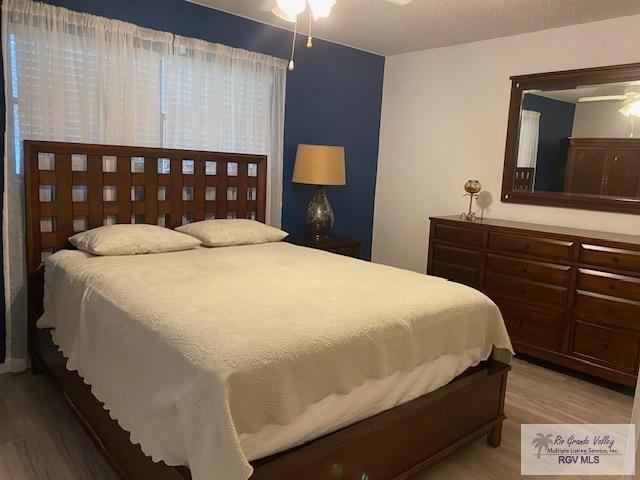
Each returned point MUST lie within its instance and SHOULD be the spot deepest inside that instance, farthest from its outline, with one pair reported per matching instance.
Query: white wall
(601, 120)
(444, 119)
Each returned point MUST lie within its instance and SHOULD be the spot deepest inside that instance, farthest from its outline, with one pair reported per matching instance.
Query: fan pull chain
(310, 38)
(293, 46)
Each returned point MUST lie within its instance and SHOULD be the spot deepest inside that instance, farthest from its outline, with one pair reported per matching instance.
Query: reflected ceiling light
(631, 108)
(602, 98)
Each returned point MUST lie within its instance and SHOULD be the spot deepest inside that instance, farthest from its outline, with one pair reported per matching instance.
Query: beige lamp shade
(319, 165)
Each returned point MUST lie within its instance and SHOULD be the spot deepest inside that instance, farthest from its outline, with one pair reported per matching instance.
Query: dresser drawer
(606, 346)
(508, 287)
(533, 328)
(610, 257)
(457, 256)
(606, 310)
(457, 273)
(609, 284)
(541, 247)
(538, 271)
(467, 236)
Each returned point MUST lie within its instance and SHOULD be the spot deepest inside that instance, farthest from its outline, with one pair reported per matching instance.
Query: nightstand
(329, 243)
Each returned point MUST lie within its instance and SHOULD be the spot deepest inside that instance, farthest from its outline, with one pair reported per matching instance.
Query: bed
(389, 418)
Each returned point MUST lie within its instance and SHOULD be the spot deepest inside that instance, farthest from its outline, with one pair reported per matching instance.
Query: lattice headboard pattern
(72, 187)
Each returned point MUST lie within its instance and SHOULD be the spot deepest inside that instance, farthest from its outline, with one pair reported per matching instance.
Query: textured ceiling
(385, 28)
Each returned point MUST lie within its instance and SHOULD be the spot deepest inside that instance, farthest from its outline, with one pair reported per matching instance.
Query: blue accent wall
(334, 97)
(556, 125)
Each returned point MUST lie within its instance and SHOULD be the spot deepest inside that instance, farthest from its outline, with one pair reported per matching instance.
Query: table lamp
(319, 165)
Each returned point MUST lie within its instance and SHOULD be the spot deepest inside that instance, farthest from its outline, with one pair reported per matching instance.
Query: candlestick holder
(472, 187)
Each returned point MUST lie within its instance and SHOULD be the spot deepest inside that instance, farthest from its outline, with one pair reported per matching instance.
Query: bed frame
(396, 444)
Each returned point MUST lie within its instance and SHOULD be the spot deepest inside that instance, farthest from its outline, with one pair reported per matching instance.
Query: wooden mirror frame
(556, 81)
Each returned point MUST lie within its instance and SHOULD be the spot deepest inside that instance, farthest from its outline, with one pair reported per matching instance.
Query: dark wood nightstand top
(330, 243)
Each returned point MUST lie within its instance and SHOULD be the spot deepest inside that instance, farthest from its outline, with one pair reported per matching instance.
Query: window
(528, 141)
(80, 78)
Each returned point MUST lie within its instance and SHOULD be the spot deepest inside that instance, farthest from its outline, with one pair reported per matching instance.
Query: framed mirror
(573, 139)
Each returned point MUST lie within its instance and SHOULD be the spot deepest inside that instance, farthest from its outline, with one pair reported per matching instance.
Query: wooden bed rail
(395, 445)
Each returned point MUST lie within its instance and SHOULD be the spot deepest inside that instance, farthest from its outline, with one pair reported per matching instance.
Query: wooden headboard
(71, 187)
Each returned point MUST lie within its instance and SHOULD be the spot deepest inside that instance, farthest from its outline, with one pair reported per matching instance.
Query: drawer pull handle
(612, 286)
(523, 291)
(525, 270)
(615, 259)
(527, 246)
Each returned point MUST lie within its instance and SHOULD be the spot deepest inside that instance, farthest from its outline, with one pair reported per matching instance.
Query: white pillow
(222, 233)
(126, 239)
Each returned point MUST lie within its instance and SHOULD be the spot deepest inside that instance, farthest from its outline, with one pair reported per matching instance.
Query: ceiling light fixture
(631, 108)
(321, 8)
(278, 12)
(289, 10)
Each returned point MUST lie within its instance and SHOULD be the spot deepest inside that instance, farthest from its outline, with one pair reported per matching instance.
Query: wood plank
(199, 192)
(263, 172)
(33, 181)
(95, 192)
(175, 193)
(221, 189)
(243, 172)
(64, 204)
(151, 190)
(123, 184)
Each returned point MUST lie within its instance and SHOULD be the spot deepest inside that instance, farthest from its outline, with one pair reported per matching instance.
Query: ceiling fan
(630, 102)
(289, 10)
(605, 98)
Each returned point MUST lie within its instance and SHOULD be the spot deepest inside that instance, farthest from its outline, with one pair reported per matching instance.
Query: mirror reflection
(584, 140)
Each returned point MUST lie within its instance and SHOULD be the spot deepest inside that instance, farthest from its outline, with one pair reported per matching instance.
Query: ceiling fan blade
(602, 98)
(399, 2)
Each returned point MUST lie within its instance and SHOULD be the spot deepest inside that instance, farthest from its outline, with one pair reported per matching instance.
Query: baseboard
(14, 365)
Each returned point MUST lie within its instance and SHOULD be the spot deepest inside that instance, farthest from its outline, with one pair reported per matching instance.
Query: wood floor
(40, 439)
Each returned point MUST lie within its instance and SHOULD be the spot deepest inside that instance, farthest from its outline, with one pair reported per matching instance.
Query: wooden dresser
(568, 296)
(603, 166)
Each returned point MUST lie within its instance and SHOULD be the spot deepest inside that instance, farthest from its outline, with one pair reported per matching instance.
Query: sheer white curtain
(528, 141)
(229, 100)
(77, 77)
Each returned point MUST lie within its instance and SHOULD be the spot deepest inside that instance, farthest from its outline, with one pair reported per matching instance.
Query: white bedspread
(372, 397)
(209, 345)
